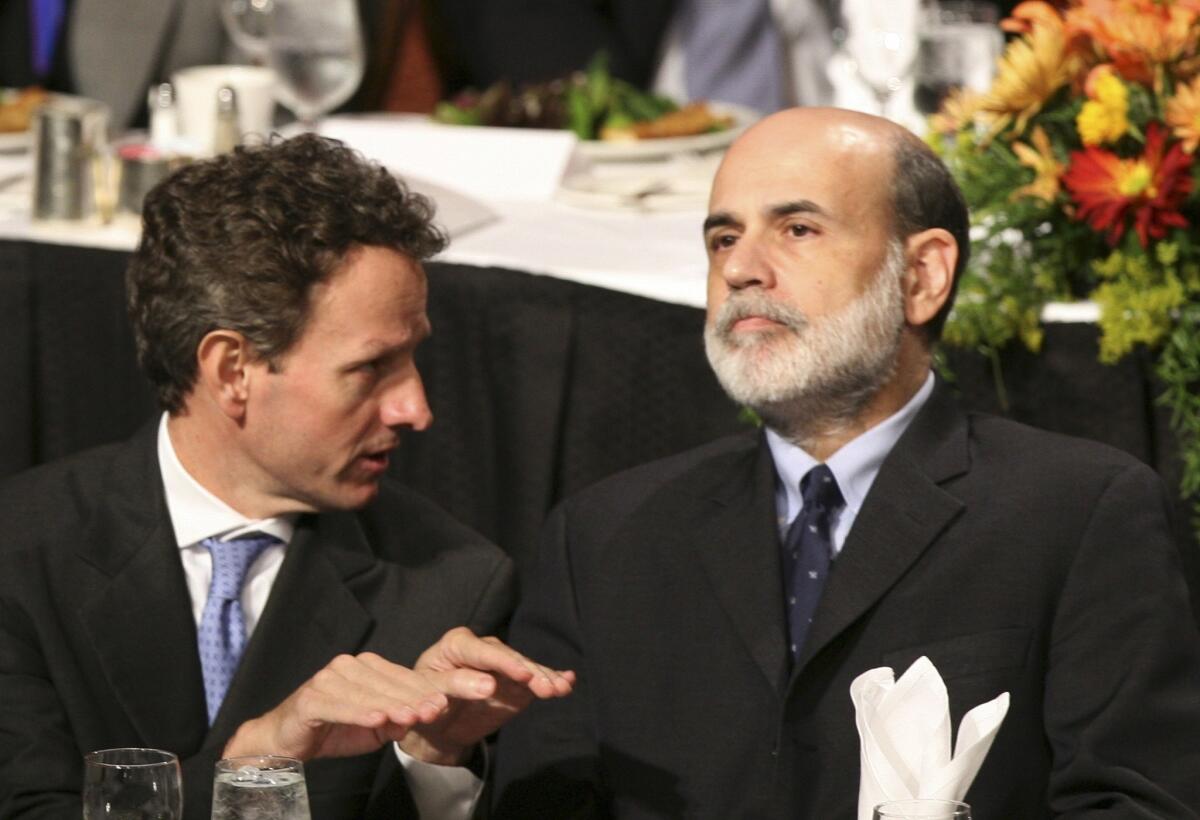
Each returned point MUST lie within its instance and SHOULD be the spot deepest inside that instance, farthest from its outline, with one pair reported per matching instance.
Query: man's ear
(224, 358)
(932, 255)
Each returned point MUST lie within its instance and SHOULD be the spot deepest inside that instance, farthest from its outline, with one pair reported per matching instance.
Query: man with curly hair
(239, 578)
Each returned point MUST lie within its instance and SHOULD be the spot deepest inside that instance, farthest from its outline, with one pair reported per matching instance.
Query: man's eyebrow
(720, 219)
(798, 206)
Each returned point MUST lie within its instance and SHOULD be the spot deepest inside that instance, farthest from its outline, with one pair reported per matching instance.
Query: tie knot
(231, 560)
(820, 491)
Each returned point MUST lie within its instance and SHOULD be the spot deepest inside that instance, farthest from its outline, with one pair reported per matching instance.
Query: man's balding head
(874, 160)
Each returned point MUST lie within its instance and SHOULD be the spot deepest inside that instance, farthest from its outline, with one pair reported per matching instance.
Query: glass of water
(316, 49)
(262, 787)
(922, 809)
(131, 784)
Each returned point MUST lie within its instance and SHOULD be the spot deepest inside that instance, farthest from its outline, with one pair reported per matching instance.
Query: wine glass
(316, 50)
(131, 784)
(922, 810)
(246, 23)
(263, 787)
(882, 43)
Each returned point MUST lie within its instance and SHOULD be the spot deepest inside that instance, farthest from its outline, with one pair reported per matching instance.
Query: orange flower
(1032, 68)
(1046, 167)
(1151, 188)
(1137, 35)
(1183, 114)
(1026, 14)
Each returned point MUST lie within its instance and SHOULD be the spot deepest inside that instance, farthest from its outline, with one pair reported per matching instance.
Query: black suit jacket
(538, 40)
(1017, 560)
(98, 642)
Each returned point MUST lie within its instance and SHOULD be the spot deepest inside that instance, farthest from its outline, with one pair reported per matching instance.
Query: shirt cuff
(449, 792)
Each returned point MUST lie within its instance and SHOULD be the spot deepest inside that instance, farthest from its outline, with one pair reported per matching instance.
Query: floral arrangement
(1080, 167)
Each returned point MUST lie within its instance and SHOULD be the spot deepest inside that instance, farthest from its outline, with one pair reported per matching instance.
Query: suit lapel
(310, 617)
(735, 537)
(903, 514)
(139, 621)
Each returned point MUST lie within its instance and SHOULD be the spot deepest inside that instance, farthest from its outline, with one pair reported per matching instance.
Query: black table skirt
(538, 386)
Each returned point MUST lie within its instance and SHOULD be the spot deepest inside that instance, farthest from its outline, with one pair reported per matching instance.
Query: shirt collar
(855, 465)
(197, 514)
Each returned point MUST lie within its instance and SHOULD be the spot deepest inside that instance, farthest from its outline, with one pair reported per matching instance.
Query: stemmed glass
(883, 45)
(131, 784)
(261, 787)
(246, 23)
(316, 50)
(922, 810)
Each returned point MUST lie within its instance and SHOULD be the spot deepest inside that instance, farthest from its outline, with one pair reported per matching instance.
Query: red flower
(1152, 187)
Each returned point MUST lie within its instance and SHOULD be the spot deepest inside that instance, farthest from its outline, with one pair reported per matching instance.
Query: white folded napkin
(904, 734)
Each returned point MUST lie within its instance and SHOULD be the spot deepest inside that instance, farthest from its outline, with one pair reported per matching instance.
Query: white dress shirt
(855, 466)
(442, 792)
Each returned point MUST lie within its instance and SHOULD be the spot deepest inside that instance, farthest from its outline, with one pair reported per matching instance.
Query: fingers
(369, 683)
(460, 648)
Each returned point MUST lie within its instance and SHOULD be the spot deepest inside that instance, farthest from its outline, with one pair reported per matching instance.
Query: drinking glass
(262, 787)
(922, 810)
(883, 46)
(246, 23)
(131, 784)
(960, 43)
(316, 50)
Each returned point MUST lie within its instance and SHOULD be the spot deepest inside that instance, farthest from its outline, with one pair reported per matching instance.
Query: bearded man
(717, 605)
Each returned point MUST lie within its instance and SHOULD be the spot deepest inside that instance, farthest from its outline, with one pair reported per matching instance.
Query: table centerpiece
(1080, 169)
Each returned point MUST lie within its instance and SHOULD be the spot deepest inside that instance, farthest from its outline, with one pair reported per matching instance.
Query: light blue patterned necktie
(222, 634)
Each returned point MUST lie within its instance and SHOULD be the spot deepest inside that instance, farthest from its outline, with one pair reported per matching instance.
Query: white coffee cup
(196, 97)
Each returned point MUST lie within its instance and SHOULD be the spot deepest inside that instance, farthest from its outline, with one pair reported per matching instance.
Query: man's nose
(747, 264)
(405, 405)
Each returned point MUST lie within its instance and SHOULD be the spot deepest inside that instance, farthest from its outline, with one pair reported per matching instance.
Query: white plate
(601, 151)
(15, 142)
(679, 183)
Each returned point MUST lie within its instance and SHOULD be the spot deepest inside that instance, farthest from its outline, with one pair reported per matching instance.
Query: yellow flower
(957, 111)
(1046, 167)
(1032, 69)
(1104, 118)
(1183, 114)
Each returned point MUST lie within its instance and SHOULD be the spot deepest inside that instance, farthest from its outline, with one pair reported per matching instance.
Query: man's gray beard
(811, 377)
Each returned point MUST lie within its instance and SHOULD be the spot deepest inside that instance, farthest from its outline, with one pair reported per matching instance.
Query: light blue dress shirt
(855, 467)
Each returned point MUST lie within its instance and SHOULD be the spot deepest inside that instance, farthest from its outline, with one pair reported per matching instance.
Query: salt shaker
(227, 134)
(164, 116)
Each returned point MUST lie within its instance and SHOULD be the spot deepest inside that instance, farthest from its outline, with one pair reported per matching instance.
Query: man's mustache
(754, 304)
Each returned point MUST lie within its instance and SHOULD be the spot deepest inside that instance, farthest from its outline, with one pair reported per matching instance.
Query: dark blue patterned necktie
(222, 633)
(807, 551)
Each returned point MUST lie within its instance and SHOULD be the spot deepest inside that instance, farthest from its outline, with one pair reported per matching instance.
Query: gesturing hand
(487, 683)
(462, 689)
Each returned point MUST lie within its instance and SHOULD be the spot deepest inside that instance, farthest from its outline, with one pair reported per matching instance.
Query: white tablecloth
(659, 255)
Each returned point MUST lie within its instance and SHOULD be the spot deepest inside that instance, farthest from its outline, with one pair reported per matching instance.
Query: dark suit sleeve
(40, 763)
(537, 40)
(1122, 694)
(547, 761)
